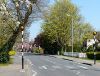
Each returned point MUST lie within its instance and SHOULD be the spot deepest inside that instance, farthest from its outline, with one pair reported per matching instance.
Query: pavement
(79, 60)
(15, 69)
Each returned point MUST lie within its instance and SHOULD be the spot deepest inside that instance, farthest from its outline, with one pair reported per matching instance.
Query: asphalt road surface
(46, 65)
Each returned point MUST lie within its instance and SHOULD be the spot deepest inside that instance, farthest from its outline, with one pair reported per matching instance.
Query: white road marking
(70, 67)
(40, 67)
(51, 61)
(78, 73)
(44, 67)
(34, 73)
(30, 62)
(22, 70)
(56, 67)
(83, 67)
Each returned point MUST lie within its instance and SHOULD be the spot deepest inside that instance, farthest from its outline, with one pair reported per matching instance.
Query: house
(91, 42)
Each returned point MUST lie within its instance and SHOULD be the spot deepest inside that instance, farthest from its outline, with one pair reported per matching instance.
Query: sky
(89, 9)
(35, 29)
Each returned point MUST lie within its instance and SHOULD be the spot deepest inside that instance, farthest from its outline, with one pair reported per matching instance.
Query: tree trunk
(9, 44)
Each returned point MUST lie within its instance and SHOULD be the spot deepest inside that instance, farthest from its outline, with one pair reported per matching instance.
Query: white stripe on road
(77, 73)
(34, 73)
(56, 67)
(30, 62)
(70, 67)
(44, 67)
(83, 67)
(51, 61)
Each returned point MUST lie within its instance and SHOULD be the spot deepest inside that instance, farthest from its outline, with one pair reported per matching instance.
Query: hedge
(12, 52)
(90, 55)
(4, 57)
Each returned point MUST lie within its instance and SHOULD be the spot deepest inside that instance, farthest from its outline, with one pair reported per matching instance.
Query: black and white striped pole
(22, 30)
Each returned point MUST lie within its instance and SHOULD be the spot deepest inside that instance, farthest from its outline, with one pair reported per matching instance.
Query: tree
(81, 34)
(98, 35)
(21, 11)
(45, 43)
(58, 21)
(5, 29)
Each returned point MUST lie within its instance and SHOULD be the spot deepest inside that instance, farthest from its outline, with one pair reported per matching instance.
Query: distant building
(27, 47)
(91, 42)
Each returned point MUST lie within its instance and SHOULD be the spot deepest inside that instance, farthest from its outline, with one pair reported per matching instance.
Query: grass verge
(6, 64)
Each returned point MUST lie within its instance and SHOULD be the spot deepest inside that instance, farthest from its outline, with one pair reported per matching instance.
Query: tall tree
(98, 35)
(6, 29)
(21, 11)
(58, 24)
(45, 43)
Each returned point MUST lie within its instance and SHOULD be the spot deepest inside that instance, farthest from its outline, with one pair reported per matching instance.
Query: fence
(75, 54)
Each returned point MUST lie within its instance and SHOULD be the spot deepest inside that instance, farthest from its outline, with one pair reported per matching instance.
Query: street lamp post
(72, 22)
(72, 36)
(94, 33)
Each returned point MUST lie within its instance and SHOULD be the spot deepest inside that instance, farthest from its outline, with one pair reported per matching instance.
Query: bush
(36, 49)
(90, 55)
(4, 57)
(90, 49)
(41, 50)
(98, 47)
(12, 53)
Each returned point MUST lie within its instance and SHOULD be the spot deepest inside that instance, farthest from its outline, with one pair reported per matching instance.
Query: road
(46, 65)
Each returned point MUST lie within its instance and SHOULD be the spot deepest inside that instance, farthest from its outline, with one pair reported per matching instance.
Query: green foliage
(98, 47)
(7, 63)
(12, 52)
(90, 55)
(90, 49)
(58, 25)
(98, 36)
(41, 50)
(36, 49)
(46, 44)
(16, 11)
(77, 48)
(5, 29)
(4, 57)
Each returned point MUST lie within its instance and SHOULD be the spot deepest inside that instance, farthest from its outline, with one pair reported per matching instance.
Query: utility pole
(72, 36)
(94, 33)
(72, 32)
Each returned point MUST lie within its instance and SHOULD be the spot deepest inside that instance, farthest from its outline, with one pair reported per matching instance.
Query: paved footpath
(83, 61)
(15, 68)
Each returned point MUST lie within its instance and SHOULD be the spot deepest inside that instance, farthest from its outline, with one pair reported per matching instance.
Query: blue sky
(35, 29)
(89, 9)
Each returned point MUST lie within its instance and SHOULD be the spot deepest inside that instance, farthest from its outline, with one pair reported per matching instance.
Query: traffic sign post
(94, 33)
(22, 30)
